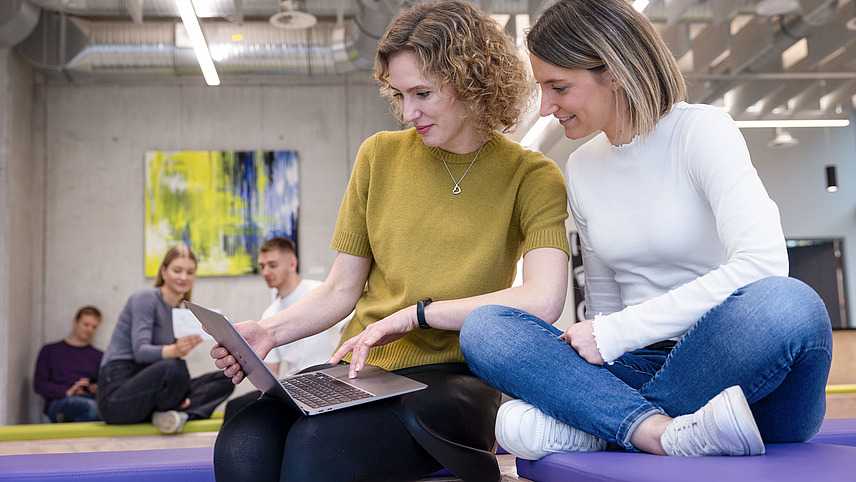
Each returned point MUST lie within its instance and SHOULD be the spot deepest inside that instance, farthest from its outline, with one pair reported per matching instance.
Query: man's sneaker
(171, 421)
(724, 426)
(528, 433)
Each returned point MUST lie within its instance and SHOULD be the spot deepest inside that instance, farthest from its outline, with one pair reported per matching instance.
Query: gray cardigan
(144, 326)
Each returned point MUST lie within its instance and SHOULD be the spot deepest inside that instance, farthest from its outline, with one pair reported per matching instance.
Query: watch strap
(420, 313)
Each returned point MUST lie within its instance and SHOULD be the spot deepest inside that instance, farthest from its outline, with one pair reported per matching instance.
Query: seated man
(278, 266)
(67, 371)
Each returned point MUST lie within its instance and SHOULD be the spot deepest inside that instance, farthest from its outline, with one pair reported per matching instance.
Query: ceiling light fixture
(292, 15)
(782, 139)
(197, 40)
(790, 123)
(776, 7)
(831, 182)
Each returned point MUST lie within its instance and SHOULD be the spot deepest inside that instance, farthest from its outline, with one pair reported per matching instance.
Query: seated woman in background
(441, 211)
(690, 310)
(143, 376)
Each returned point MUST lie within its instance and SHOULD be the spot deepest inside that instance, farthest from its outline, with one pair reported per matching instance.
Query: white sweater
(670, 226)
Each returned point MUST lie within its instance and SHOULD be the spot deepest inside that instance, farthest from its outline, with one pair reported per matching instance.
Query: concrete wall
(21, 240)
(94, 140)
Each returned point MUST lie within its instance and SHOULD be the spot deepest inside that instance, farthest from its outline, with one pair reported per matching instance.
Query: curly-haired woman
(441, 211)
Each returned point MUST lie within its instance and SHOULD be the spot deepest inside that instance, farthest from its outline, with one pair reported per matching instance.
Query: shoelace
(692, 438)
(556, 434)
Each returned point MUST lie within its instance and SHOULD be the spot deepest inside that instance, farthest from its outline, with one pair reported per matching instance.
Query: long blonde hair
(180, 251)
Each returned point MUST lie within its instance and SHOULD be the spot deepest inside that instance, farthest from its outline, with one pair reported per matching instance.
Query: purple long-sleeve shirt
(60, 365)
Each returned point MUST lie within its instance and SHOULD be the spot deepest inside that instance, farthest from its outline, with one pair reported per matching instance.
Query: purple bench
(782, 463)
(837, 431)
(161, 465)
(830, 456)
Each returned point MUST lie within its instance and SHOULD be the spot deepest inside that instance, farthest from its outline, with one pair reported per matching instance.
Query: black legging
(129, 392)
(267, 441)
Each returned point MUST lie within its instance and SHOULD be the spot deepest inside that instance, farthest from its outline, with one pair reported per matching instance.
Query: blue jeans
(79, 408)
(772, 337)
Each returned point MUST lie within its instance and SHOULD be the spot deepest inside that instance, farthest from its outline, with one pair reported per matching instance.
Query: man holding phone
(67, 371)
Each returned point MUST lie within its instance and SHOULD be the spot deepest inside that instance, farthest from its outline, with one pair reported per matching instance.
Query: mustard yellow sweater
(426, 242)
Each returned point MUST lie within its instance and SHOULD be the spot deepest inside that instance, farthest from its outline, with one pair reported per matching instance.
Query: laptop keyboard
(318, 389)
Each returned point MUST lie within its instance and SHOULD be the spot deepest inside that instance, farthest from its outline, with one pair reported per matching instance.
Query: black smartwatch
(420, 313)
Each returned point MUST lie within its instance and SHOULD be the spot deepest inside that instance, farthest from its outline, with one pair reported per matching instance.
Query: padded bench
(798, 462)
(42, 431)
(830, 456)
(162, 465)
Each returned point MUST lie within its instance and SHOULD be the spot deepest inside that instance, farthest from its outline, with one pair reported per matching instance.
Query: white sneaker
(724, 426)
(527, 432)
(171, 421)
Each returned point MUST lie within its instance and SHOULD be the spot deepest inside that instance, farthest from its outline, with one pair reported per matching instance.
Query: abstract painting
(222, 204)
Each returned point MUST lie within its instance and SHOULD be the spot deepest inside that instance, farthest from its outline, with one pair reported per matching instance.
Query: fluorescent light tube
(794, 123)
(197, 40)
(535, 131)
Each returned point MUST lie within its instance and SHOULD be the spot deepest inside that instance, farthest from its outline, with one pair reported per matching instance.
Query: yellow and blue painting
(222, 204)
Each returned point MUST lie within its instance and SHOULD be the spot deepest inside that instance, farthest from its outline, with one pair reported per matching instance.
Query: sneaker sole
(738, 409)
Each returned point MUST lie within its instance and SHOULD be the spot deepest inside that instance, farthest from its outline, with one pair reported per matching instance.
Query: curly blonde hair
(458, 44)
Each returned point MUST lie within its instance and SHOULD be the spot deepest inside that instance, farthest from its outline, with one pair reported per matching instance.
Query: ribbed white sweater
(670, 226)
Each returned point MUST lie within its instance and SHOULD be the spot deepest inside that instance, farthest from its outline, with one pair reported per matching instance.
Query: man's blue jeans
(79, 408)
(772, 337)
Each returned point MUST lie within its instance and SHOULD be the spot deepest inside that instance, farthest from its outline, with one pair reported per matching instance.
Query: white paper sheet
(184, 323)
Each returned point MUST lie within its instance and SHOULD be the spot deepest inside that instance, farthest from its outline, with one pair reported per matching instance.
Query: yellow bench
(42, 431)
(843, 388)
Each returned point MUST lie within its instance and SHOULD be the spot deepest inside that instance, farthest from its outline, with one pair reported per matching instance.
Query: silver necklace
(457, 189)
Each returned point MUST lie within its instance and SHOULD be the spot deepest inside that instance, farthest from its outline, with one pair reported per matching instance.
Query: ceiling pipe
(17, 20)
(70, 48)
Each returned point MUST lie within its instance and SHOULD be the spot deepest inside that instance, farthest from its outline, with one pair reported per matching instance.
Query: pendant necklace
(457, 189)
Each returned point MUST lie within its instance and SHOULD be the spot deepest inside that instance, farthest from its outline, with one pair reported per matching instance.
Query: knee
(173, 369)
(791, 306)
(479, 324)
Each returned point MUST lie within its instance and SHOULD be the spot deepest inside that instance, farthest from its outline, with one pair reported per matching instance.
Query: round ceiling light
(292, 16)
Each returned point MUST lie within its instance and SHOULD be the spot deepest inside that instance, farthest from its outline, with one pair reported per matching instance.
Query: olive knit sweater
(426, 242)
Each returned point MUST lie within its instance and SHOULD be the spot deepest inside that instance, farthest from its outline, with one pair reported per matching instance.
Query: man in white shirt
(278, 266)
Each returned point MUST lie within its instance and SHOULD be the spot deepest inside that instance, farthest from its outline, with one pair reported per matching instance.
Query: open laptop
(305, 391)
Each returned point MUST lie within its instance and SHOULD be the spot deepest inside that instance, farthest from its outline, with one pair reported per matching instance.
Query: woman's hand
(581, 337)
(181, 347)
(260, 341)
(380, 332)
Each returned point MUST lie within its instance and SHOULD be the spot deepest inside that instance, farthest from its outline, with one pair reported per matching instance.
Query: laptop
(313, 392)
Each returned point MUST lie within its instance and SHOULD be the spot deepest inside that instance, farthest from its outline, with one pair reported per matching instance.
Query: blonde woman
(696, 342)
(441, 211)
(143, 376)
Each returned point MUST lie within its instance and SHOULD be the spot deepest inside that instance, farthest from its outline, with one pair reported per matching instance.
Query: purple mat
(163, 465)
(799, 462)
(166, 465)
(837, 431)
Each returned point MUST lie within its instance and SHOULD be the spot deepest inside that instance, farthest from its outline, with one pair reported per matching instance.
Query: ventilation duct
(69, 47)
(17, 19)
